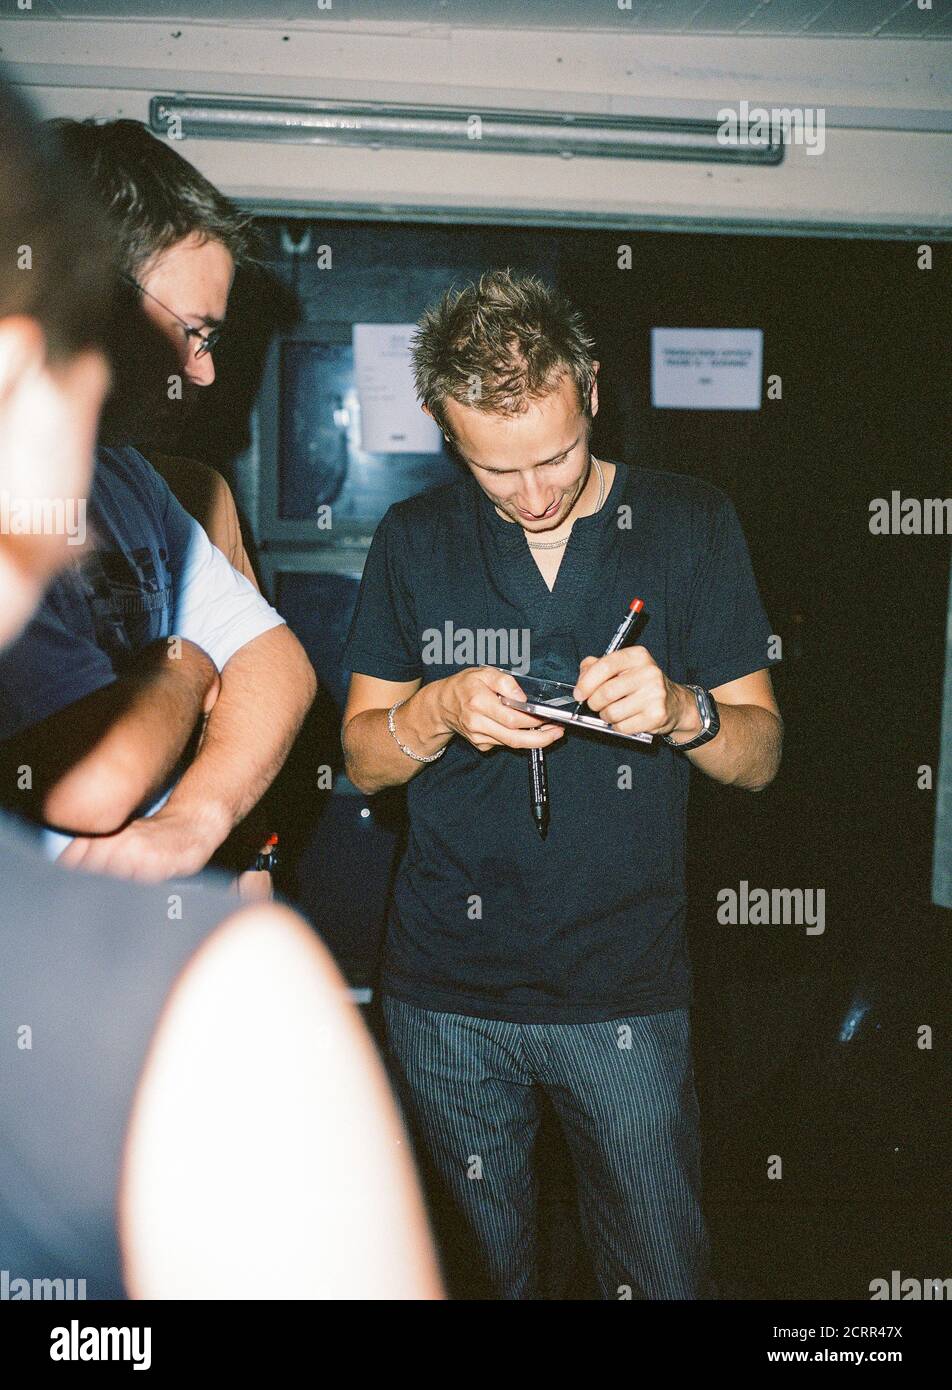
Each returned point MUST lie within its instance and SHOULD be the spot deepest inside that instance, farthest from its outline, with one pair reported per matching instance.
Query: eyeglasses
(206, 341)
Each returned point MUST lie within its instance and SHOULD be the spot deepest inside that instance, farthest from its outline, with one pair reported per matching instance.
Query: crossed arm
(96, 764)
(92, 765)
(266, 690)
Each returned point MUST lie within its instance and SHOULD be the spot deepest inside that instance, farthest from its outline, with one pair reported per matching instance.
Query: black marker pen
(539, 790)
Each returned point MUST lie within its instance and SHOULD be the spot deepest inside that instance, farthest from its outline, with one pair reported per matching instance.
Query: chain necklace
(555, 545)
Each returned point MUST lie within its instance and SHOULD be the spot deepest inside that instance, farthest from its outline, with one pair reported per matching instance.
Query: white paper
(706, 368)
(391, 419)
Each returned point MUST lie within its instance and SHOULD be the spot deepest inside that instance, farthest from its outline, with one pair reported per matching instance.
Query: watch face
(710, 711)
(710, 720)
(707, 709)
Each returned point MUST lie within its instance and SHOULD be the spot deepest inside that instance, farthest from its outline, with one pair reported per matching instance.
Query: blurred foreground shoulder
(265, 1156)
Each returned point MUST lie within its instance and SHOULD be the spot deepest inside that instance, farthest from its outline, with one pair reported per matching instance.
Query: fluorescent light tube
(449, 128)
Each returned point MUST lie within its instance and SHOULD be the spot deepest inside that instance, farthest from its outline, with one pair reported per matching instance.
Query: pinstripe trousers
(624, 1094)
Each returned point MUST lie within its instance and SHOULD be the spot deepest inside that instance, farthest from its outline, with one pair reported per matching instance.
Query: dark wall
(858, 335)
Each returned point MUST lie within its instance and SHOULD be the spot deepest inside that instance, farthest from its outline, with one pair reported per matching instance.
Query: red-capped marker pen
(621, 632)
(624, 627)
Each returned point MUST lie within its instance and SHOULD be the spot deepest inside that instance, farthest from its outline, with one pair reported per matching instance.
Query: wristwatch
(710, 720)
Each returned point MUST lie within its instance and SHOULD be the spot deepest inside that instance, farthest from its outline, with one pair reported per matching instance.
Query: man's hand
(469, 705)
(428, 717)
(266, 690)
(630, 691)
(150, 849)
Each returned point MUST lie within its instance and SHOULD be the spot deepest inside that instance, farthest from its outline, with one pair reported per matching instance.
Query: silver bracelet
(417, 757)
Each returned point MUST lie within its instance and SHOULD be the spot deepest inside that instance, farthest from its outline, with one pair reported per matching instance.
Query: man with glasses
(201, 490)
(155, 696)
(199, 342)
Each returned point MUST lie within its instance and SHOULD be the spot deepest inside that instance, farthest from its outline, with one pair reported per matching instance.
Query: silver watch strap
(704, 711)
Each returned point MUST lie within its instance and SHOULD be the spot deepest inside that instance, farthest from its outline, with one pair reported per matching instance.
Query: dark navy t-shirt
(148, 571)
(487, 918)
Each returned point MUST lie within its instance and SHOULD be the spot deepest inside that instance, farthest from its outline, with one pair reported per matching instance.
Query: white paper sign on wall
(391, 421)
(706, 368)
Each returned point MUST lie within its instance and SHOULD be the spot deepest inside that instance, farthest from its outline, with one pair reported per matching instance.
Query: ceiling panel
(908, 21)
(859, 17)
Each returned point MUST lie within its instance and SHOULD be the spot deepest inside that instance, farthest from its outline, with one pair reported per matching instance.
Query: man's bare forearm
(267, 688)
(95, 763)
(746, 751)
(372, 759)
